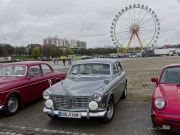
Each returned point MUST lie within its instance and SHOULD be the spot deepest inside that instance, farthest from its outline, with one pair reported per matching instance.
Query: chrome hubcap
(12, 104)
(110, 110)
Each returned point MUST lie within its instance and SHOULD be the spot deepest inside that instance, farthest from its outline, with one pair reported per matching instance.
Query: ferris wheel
(135, 25)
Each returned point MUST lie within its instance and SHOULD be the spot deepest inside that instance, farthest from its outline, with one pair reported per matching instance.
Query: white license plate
(69, 114)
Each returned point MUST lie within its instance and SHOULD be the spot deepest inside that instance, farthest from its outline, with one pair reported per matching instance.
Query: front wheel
(110, 112)
(53, 116)
(11, 106)
(124, 95)
(154, 125)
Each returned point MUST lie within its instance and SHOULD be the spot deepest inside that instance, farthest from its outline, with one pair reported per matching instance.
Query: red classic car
(22, 82)
(166, 99)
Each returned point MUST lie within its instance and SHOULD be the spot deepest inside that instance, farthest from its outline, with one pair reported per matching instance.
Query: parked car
(133, 55)
(22, 82)
(86, 57)
(92, 89)
(166, 99)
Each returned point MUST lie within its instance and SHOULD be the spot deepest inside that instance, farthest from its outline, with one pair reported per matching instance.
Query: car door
(116, 82)
(35, 81)
(47, 74)
(122, 77)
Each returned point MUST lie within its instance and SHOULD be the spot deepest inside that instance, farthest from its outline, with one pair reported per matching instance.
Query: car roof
(27, 63)
(172, 65)
(97, 60)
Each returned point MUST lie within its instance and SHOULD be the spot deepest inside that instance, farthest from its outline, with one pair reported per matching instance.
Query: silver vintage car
(92, 89)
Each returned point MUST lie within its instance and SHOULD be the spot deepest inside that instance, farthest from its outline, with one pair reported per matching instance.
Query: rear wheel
(110, 112)
(57, 81)
(12, 105)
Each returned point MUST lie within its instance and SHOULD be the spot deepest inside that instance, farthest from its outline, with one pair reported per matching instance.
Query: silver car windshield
(13, 70)
(90, 69)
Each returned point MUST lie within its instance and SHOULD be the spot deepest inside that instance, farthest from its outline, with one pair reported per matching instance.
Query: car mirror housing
(155, 80)
(50, 82)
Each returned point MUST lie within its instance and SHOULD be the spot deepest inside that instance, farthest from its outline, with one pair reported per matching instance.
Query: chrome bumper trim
(83, 114)
(1, 107)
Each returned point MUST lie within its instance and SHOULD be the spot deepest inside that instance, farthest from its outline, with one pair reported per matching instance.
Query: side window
(46, 69)
(119, 66)
(35, 70)
(115, 68)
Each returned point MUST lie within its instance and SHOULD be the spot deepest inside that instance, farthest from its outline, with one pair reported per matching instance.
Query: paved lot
(132, 115)
(131, 118)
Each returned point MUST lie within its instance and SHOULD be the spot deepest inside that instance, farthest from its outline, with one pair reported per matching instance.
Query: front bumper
(86, 114)
(1, 107)
(162, 119)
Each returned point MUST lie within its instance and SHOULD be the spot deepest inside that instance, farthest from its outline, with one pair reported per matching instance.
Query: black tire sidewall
(6, 110)
(53, 117)
(105, 119)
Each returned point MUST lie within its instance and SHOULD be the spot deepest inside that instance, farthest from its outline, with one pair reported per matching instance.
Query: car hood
(78, 86)
(171, 93)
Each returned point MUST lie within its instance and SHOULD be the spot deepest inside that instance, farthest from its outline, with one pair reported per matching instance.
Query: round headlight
(49, 103)
(159, 103)
(46, 95)
(93, 105)
(97, 97)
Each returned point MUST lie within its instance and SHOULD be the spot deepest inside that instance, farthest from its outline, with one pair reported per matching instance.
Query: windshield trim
(14, 75)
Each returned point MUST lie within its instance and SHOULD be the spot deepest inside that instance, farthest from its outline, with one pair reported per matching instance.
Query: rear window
(46, 69)
(171, 75)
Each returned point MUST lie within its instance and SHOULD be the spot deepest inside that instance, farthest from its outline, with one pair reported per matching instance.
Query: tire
(124, 95)
(153, 123)
(110, 112)
(57, 81)
(53, 117)
(11, 105)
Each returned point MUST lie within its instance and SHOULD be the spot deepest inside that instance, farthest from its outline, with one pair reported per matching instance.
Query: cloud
(29, 21)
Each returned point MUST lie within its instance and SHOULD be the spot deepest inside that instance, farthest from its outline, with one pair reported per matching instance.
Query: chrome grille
(61, 102)
(80, 102)
(64, 102)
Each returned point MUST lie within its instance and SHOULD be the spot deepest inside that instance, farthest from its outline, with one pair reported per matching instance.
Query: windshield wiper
(84, 73)
(73, 73)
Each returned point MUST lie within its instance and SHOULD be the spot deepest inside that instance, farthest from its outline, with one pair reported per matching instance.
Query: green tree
(36, 52)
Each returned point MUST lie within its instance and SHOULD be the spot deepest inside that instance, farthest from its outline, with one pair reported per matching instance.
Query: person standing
(69, 62)
(64, 62)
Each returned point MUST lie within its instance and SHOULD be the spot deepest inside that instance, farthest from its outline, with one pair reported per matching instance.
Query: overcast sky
(29, 21)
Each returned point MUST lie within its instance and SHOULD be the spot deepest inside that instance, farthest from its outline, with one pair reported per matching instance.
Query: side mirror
(50, 82)
(155, 80)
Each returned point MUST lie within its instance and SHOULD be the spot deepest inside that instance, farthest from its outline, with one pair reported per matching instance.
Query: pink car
(166, 99)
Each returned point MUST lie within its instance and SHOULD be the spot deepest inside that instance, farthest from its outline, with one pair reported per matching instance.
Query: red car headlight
(159, 103)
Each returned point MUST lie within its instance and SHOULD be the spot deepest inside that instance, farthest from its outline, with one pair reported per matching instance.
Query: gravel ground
(139, 73)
